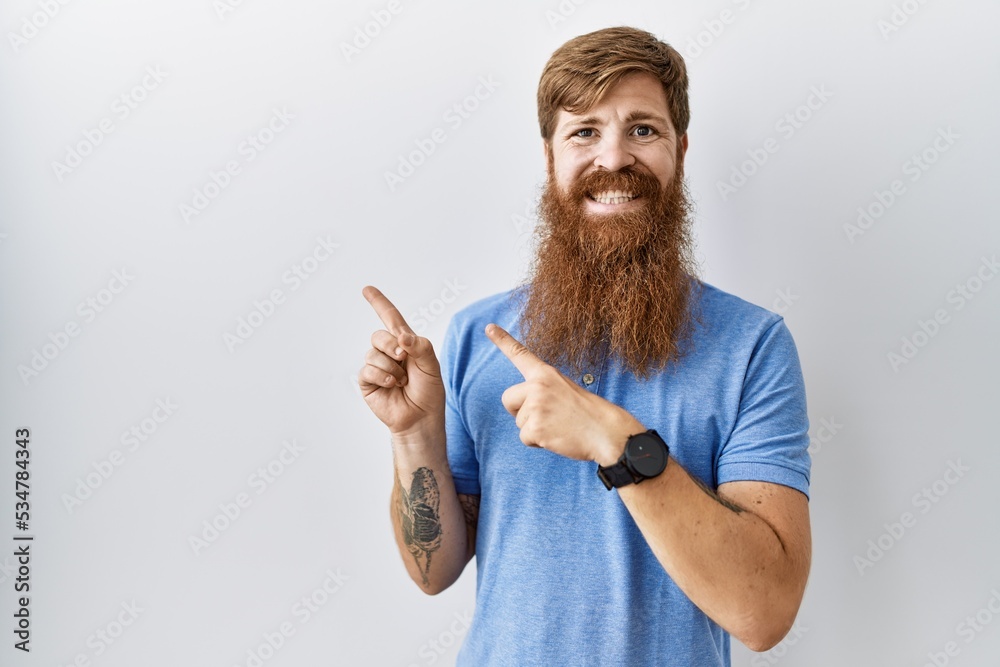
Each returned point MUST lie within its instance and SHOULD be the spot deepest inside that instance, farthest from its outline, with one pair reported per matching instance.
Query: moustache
(628, 179)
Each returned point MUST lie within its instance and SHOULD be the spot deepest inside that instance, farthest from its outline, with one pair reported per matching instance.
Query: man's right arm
(434, 526)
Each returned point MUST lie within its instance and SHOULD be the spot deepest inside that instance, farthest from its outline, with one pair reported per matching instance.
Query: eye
(585, 133)
(644, 131)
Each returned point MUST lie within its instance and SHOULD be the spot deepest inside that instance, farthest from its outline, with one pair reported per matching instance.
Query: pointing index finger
(388, 313)
(523, 359)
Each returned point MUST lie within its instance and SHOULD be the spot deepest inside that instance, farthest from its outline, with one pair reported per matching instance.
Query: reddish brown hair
(582, 70)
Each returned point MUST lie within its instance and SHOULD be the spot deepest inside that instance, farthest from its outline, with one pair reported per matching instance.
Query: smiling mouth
(612, 196)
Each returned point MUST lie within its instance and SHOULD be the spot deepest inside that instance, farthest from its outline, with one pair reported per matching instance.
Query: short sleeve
(770, 439)
(461, 448)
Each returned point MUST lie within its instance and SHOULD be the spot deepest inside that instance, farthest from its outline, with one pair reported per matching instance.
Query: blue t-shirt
(564, 577)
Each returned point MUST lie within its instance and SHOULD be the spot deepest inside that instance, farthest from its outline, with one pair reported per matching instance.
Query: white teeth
(613, 197)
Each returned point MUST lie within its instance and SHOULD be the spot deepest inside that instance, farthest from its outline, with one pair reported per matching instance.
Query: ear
(547, 153)
(683, 149)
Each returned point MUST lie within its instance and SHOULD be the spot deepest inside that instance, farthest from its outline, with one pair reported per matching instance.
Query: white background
(460, 225)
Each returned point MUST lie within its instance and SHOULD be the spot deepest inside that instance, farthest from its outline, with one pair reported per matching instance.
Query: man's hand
(554, 413)
(401, 379)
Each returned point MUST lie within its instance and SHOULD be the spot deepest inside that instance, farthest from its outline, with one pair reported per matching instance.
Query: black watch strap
(616, 475)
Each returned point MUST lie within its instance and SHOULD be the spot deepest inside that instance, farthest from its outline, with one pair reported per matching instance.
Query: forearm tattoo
(420, 518)
(712, 494)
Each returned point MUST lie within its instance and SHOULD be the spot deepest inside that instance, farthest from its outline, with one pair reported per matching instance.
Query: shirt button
(588, 379)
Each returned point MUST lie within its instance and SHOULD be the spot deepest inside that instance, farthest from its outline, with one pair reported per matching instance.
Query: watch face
(647, 455)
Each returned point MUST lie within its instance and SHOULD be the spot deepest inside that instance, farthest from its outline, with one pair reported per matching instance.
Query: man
(632, 479)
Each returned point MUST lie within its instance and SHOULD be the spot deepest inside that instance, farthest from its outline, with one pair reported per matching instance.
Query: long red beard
(622, 282)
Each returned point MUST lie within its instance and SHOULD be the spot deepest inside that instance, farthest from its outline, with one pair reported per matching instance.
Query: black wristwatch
(645, 456)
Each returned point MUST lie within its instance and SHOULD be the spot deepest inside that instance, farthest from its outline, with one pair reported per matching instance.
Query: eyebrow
(644, 115)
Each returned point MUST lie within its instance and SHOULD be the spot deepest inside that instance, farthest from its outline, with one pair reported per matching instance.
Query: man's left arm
(741, 554)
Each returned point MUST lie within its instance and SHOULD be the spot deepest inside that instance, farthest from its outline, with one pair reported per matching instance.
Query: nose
(613, 154)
